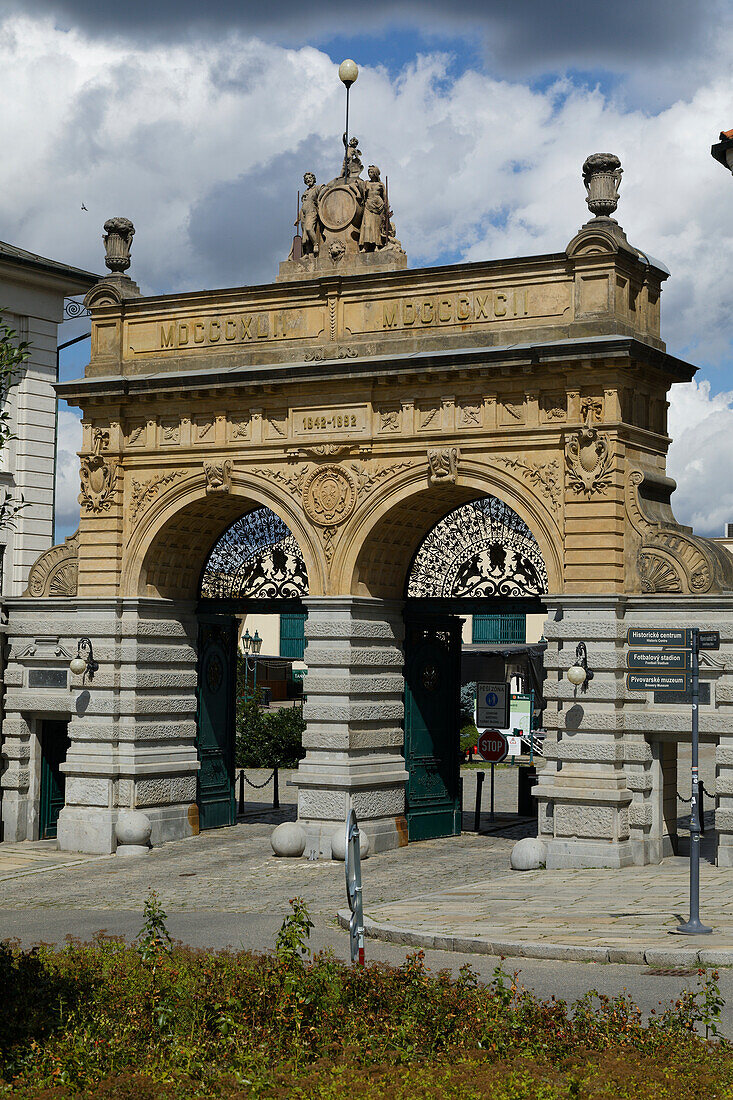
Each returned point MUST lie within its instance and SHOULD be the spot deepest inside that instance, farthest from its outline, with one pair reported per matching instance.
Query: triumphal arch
(361, 402)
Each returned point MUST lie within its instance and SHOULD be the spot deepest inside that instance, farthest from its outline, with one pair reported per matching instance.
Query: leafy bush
(268, 739)
(468, 704)
(468, 737)
(106, 1020)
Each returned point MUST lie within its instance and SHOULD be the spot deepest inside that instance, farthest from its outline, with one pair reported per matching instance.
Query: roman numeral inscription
(455, 309)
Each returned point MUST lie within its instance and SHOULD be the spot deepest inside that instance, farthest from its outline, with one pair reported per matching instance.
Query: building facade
(364, 404)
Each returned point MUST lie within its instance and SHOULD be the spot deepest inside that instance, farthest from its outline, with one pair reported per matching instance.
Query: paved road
(225, 888)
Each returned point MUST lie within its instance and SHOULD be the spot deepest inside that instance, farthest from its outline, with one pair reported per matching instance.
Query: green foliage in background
(109, 1020)
(266, 739)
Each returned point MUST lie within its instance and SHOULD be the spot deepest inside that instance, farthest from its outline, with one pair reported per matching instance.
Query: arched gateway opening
(475, 580)
(254, 578)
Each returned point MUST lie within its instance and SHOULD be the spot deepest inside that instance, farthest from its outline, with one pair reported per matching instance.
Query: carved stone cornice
(56, 572)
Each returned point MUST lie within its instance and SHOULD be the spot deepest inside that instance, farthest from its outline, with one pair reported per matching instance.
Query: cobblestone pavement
(36, 855)
(234, 870)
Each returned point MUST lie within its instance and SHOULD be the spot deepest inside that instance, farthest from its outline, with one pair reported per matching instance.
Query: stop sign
(492, 746)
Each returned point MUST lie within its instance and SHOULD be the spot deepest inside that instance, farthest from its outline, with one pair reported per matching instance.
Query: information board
(492, 705)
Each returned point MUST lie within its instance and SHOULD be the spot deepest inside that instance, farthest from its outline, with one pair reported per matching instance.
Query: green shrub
(106, 1020)
(268, 739)
(468, 737)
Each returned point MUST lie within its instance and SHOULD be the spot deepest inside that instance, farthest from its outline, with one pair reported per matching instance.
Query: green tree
(266, 739)
(13, 353)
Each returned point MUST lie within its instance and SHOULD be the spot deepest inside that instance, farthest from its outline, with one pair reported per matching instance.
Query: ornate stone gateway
(354, 405)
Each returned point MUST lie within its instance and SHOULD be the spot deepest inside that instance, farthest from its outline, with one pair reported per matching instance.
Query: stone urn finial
(118, 242)
(602, 178)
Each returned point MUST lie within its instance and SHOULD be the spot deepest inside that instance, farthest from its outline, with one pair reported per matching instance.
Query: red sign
(492, 746)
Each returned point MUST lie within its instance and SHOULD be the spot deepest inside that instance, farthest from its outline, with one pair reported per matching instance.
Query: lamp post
(252, 646)
(348, 72)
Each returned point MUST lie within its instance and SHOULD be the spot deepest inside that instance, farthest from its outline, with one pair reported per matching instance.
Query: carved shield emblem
(329, 495)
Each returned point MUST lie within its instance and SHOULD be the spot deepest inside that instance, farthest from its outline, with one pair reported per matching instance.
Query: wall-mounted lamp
(579, 674)
(81, 665)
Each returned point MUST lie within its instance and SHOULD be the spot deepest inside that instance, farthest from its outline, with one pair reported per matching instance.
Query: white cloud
(67, 473)
(701, 456)
(203, 143)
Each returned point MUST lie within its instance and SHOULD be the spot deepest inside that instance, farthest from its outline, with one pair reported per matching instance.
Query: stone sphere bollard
(132, 831)
(288, 839)
(528, 854)
(338, 844)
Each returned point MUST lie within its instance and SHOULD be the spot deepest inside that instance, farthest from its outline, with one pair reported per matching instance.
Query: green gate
(215, 721)
(432, 719)
(54, 747)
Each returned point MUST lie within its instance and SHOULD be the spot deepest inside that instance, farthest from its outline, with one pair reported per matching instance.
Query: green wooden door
(432, 713)
(215, 723)
(54, 747)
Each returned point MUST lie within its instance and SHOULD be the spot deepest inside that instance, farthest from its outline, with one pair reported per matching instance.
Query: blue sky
(198, 121)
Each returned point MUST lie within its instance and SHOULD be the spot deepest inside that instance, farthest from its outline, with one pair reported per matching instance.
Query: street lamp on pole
(348, 72)
(252, 644)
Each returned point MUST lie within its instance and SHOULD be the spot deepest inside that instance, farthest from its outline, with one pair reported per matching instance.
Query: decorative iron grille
(256, 557)
(481, 549)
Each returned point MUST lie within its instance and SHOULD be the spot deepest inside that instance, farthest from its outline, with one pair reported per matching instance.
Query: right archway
(473, 584)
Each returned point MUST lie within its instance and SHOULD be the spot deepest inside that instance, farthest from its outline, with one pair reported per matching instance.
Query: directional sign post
(674, 665)
(694, 927)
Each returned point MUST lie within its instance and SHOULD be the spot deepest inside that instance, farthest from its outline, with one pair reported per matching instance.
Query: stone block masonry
(608, 795)
(132, 728)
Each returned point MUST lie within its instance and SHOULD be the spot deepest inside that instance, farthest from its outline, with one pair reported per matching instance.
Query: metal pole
(346, 146)
(276, 790)
(693, 926)
(241, 792)
(477, 813)
(254, 691)
(491, 811)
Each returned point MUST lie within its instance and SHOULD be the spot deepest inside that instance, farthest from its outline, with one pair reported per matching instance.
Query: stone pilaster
(132, 728)
(583, 794)
(609, 793)
(354, 711)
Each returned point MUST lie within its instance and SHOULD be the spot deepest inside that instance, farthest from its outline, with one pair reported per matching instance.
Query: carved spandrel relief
(218, 475)
(143, 492)
(443, 464)
(545, 476)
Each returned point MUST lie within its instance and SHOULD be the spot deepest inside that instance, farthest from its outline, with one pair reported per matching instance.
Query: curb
(638, 956)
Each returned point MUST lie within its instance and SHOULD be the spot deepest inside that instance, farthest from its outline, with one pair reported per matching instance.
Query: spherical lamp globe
(348, 72)
(576, 675)
(77, 665)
